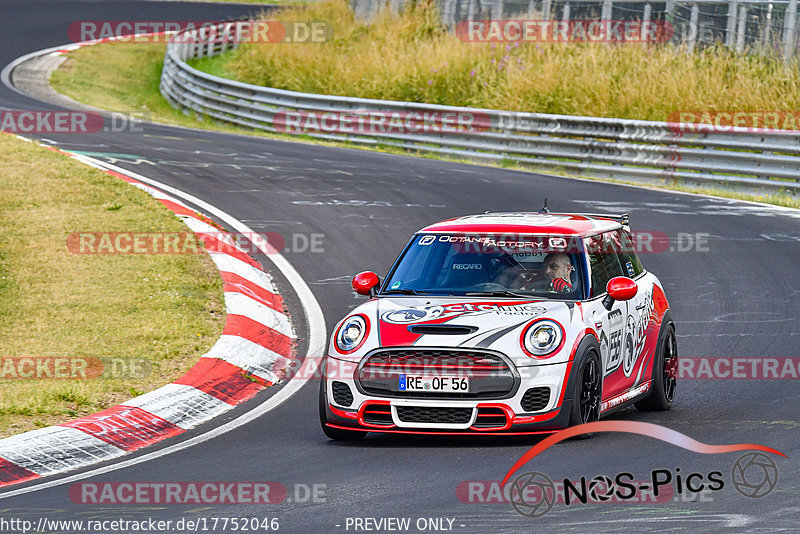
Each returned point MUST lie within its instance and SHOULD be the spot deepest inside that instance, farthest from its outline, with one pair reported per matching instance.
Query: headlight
(542, 337)
(351, 333)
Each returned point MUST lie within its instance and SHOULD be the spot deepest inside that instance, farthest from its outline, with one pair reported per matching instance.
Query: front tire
(665, 372)
(588, 393)
(337, 434)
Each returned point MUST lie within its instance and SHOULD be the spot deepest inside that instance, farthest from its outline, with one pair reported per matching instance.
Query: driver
(557, 269)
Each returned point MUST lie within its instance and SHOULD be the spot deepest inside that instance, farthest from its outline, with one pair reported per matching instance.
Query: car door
(611, 325)
(638, 315)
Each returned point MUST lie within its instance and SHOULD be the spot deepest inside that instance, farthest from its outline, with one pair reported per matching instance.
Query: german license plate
(444, 384)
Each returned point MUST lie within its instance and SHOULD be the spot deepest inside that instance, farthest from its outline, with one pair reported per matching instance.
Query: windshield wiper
(401, 292)
(502, 293)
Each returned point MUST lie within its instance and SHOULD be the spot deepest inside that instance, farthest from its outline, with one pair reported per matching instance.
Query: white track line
(316, 343)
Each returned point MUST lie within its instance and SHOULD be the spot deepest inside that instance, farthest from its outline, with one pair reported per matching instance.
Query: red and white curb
(253, 353)
(55, 51)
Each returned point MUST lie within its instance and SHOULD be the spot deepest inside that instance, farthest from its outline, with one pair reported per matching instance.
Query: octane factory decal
(429, 313)
(509, 245)
(486, 242)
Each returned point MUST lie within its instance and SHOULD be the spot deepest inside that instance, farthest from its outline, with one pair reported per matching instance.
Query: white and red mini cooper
(506, 323)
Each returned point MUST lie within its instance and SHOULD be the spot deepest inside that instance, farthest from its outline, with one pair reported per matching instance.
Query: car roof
(571, 224)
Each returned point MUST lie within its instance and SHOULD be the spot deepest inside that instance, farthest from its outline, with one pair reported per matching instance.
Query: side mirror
(619, 288)
(366, 283)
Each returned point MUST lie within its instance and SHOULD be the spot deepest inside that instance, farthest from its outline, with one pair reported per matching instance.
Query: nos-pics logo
(533, 494)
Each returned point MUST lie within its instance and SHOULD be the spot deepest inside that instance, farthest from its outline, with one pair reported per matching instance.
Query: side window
(604, 260)
(629, 259)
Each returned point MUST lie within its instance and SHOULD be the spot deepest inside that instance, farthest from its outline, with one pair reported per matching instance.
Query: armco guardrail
(598, 147)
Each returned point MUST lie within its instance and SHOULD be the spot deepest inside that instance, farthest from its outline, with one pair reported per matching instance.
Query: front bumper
(357, 410)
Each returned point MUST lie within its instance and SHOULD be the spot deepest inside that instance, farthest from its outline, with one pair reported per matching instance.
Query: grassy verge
(161, 310)
(125, 77)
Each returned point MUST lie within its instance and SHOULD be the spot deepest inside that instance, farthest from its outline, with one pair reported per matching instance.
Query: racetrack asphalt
(735, 295)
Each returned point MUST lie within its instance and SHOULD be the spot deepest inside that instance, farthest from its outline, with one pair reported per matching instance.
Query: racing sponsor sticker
(428, 313)
(412, 315)
(614, 340)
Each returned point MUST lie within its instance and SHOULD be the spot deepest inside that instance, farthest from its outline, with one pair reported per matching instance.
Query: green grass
(125, 77)
(266, 2)
(164, 309)
(412, 57)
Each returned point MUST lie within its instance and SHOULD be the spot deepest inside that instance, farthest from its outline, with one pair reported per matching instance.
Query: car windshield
(488, 265)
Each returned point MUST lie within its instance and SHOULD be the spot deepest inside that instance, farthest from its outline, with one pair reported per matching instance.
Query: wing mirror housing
(366, 283)
(619, 288)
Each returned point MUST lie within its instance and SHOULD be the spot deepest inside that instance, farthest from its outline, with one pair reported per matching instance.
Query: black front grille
(432, 414)
(342, 394)
(536, 399)
(490, 418)
(378, 414)
(489, 374)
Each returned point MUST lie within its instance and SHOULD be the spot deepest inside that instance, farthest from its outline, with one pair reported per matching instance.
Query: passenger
(509, 277)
